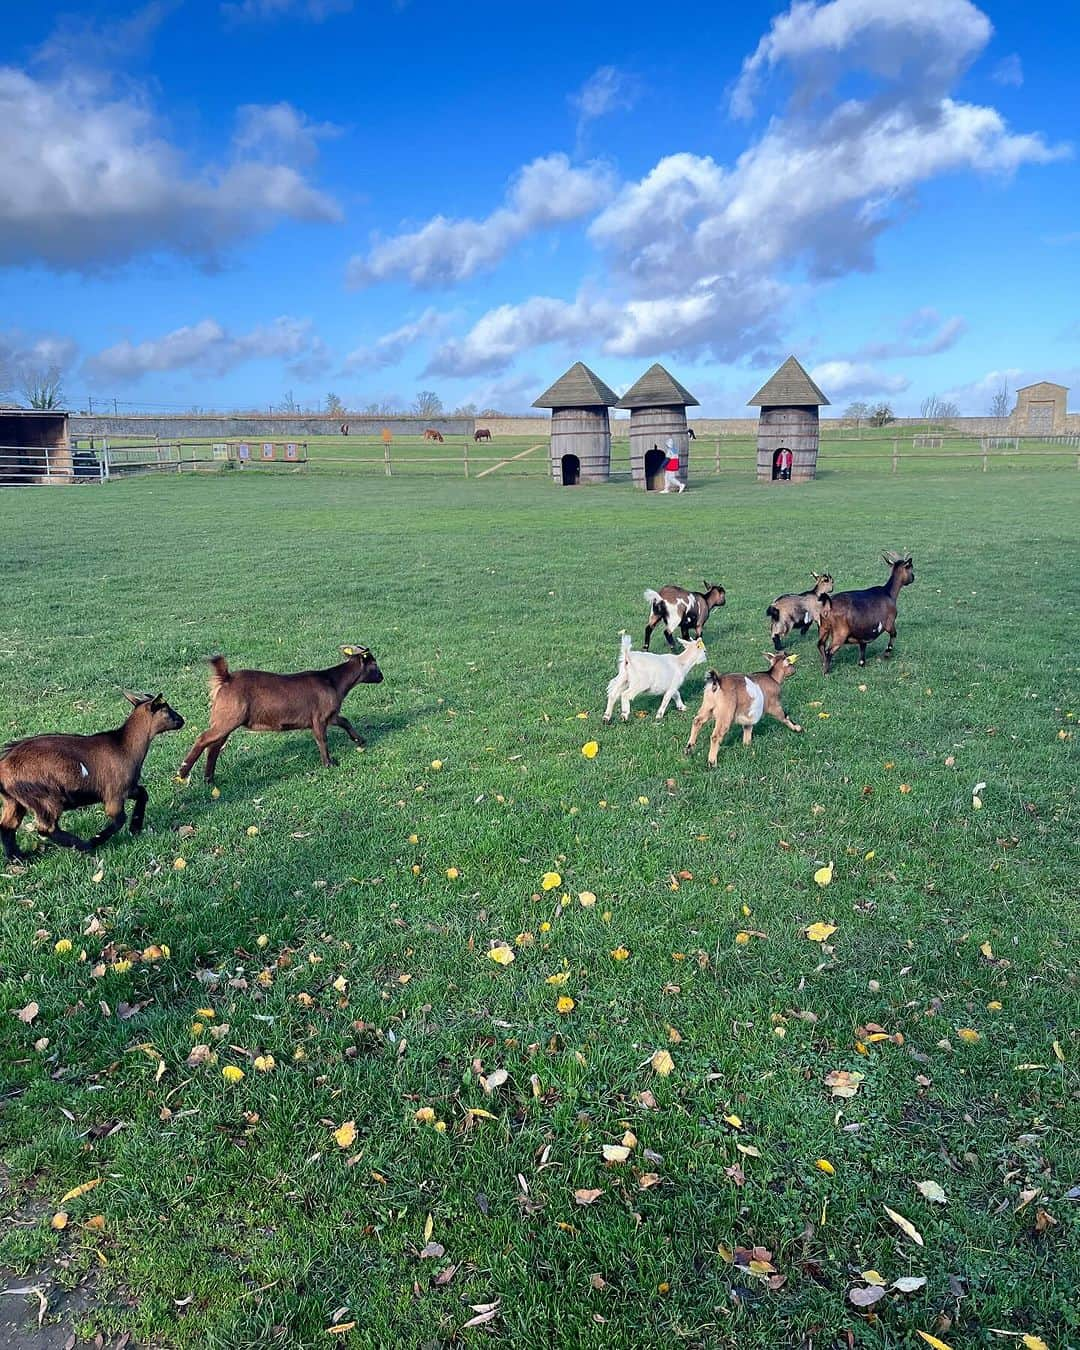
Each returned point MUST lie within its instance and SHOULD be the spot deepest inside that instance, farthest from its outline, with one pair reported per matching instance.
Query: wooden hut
(580, 427)
(34, 447)
(789, 404)
(657, 404)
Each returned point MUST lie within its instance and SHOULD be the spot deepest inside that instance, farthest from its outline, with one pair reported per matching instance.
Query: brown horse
(432, 435)
(481, 434)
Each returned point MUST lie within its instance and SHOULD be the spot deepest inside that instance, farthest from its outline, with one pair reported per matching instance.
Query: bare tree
(383, 409)
(1001, 402)
(465, 410)
(935, 409)
(42, 389)
(882, 415)
(857, 412)
(334, 406)
(427, 404)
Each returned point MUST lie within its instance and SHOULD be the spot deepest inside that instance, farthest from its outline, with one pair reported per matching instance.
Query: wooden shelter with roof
(34, 446)
(580, 426)
(657, 404)
(788, 421)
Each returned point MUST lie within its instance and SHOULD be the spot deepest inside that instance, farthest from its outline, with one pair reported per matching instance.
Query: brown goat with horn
(51, 774)
(862, 616)
(262, 701)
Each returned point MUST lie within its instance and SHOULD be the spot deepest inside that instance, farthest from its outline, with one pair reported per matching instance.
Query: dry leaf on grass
(866, 1297)
(843, 1083)
(587, 1196)
(76, 1191)
(819, 932)
(662, 1063)
(345, 1135)
(930, 1190)
(905, 1226)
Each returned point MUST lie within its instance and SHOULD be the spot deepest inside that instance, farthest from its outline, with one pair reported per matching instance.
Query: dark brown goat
(862, 616)
(686, 611)
(262, 701)
(51, 774)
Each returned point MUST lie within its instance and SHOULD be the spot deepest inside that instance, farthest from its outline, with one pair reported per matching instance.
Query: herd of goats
(49, 774)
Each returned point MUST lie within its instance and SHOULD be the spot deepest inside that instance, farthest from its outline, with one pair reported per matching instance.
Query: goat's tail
(773, 613)
(654, 598)
(624, 650)
(220, 674)
(712, 680)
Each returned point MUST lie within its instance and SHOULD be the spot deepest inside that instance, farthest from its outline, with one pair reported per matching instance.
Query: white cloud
(391, 347)
(844, 378)
(22, 354)
(260, 11)
(208, 348)
(87, 180)
(921, 45)
(608, 89)
(547, 192)
(924, 333)
(279, 131)
(1009, 71)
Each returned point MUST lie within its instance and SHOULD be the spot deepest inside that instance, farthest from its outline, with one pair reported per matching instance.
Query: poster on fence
(243, 453)
(268, 450)
(290, 450)
(220, 450)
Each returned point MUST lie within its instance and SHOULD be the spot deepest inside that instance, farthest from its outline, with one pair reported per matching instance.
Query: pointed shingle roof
(657, 388)
(790, 387)
(578, 388)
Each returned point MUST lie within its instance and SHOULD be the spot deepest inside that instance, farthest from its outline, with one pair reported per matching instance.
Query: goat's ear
(157, 702)
(814, 575)
(136, 700)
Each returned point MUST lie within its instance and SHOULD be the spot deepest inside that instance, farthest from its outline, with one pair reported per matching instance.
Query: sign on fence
(243, 452)
(387, 435)
(268, 450)
(290, 450)
(220, 450)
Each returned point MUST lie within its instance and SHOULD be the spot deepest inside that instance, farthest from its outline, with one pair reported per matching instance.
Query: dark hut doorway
(571, 470)
(781, 464)
(655, 459)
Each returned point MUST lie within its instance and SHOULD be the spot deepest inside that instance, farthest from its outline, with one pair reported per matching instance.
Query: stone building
(1041, 410)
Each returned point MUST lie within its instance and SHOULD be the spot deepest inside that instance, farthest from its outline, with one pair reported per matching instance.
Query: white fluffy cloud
(391, 347)
(846, 378)
(279, 131)
(700, 255)
(919, 45)
(23, 354)
(545, 193)
(87, 179)
(207, 348)
(261, 11)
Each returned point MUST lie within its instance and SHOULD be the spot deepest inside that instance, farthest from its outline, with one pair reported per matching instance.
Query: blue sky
(208, 203)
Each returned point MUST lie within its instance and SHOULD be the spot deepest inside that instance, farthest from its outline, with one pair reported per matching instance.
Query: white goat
(652, 673)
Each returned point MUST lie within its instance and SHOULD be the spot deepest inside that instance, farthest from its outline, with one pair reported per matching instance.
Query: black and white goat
(652, 673)
(685, 611)
(798, 611)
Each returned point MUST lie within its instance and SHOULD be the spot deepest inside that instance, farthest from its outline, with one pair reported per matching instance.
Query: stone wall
(257, 426)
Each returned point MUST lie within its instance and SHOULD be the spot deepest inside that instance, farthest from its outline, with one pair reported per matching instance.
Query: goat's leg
(318, 730)
(10, 819)
(347, 727)
(50, 829)
(625, 699)
(891, 630)
(782, 716)
(862, 653)
(725, 715)
(216, 748)
(826, 647)
(117, 817)
(679, 704)
(747, 735)
(778, 646)
(140, 797)
(613, 694)
(701, 717)
(202, 743)
(651, 624)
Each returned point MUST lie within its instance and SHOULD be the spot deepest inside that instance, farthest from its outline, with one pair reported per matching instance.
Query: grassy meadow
(424, 1163)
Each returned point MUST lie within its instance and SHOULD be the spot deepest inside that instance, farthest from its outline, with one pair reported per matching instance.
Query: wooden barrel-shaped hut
(657, 404)
(580, 428)
(787, 441)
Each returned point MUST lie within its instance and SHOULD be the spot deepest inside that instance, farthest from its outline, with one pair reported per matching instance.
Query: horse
(481, 434)
(344, 428)
(432, 435)
(690, 434)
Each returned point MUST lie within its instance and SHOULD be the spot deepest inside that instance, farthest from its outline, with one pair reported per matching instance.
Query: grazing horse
(344, 428)
(432, 435)
(481, 434)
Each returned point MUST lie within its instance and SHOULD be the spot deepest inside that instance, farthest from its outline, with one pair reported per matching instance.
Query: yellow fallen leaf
(1033, 1342)
(843, 1083)
(452, 874)
(425, 1115)
(905, 1226)
(931, 1191)
(565, 1005)
(734, 1121)
(264, 1063)
(824, 1165)
(824, 875)
(587, 899)
(819, 932)
(872, 1277)
(559, 978)
(589, 749)
(59, 1221)
(1058, 1052)
(969, 1034)
(96, 1224)
(647, 1180)
(749, 1150)
(76, 1191)
(742, 939)
(993, 1006)
(662, 1063)
(478, 1113)
(436, 764)
(615, 1153)
(502, 954)
(231, 1073)
(98, 876)
(550, 880)
(345, 1135)
(62, 947)
(340, 1328)
(933, 1340)
(619, 954)
(986, 950)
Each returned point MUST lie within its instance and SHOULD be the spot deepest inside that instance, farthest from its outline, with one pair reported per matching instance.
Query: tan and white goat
(652, 673)
(742, 699)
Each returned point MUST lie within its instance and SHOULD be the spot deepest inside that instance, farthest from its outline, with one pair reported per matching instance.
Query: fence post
(718, 454)
(466, 444)
(984, 450)
(895, 454)
(48, 471)
(386, 457)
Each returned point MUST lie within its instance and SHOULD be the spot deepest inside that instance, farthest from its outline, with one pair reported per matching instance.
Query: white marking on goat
(877, 629)
(757, 703)
(83, 769)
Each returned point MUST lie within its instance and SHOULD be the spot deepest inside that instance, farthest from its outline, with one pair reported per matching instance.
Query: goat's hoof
(136, 827)
(331, 762)
(182, 778)
(688, 751)
(796, 727)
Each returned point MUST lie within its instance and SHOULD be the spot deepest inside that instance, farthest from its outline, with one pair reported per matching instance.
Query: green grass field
(337, 940)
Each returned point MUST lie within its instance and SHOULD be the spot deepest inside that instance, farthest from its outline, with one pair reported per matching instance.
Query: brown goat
(54, 773)
(862, 616)
(680, 609)
(262, 701)
(742, 699)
